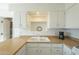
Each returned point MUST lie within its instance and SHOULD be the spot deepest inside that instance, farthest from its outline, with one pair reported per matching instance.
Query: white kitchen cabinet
(32, 51)
(52, 19)
(67, 50)
(35, 49)
(38, 51)
(61, 20)
(40, 48)
(32, 44)
(45, 51)
(57, 49)
(46, 45)
(45, 48)
(56, 19)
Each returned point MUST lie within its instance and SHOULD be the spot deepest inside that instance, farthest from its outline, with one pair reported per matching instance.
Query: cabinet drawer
(57, 45)
(57, 51)
(45, 51)
(32, 51)
(32, 44)
(38, 51)
(44, 44)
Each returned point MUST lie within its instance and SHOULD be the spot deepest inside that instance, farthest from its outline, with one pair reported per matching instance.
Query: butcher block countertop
(12, 46)
(70, 42)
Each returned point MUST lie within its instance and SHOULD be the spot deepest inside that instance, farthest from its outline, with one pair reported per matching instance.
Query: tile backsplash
(74, 33)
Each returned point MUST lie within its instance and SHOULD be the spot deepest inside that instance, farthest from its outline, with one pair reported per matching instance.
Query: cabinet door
(57, 45)
(32, 51)
(45, 51)
(67, 50)
(57, 49)
(32, 48)
(52, 20)
(61, 20)
(46, 44)
(32, 44)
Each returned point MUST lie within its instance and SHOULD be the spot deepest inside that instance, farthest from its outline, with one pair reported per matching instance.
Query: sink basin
(40, 39)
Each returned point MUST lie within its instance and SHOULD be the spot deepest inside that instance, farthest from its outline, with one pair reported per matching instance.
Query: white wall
(4, 10)
(72, 20)
(72, 17)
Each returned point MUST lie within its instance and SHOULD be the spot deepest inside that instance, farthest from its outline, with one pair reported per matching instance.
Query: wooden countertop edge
(18, 49)
(14, 49)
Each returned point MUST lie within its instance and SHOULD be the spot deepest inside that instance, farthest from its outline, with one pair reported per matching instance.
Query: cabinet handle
(36, 50)
(57, 50)
(40, 51)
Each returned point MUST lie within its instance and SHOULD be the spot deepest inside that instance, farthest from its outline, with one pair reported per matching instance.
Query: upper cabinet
(52, 23)
(61, 19)
(56, 19)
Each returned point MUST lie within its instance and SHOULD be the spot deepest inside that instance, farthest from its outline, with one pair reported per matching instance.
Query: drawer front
(44, 44)
(45, 51)
(57, 51)
(32, 45)
(32, 51)
(57, 45)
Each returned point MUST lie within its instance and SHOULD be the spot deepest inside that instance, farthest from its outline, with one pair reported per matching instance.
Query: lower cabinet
(32, 51)
(57, 49)
(67, 50)
(44, 49)
(38, 49)
(35, 49)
